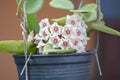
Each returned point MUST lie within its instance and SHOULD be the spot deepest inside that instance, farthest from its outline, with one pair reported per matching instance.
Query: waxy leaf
(86, 8)
(100, 26)
(88, 12)
(32, 6)
(17, 47)
(90, 16)
(48, 49)
(62, 4)
(32, 24)
(60, 21)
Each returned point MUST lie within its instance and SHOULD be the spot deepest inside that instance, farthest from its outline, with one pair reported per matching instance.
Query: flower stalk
(18, 10)
(81, 3)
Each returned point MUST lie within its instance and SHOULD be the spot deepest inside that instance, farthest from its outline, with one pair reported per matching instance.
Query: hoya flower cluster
(71, 35)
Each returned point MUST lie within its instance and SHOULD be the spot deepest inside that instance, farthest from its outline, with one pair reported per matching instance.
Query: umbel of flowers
(70, 36)
(65, 34)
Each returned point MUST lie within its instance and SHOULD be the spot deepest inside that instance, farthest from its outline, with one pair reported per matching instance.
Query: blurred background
(109, 45)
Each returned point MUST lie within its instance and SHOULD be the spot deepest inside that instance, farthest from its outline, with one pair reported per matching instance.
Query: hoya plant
(67, 34)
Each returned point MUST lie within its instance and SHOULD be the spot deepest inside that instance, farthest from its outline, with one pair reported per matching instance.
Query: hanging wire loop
(97, 44)
(24, 39)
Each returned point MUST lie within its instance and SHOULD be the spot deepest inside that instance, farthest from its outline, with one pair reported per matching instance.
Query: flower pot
(56, 66)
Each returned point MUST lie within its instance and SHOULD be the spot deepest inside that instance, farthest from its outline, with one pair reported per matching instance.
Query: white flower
(75, 20)
(78, 45)
(40, 46)
(81, 49)
(84, 41)
(31, 36)
(71, 35)
(69, 31)
(72, 20)
(83, 24)
(44, 23)
(55, 28)
(80, 22)
(37, 38)
(45, 34)
(79, 34)
(44, 29)
(64, 43)
(54, 40)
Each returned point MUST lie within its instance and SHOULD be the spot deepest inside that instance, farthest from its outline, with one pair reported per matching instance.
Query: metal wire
(96, 55)
(26, 64)
(24, 37)
(97, 44)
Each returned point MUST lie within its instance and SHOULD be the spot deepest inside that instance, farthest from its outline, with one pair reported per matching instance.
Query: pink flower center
(68, 31)
(75, 42)
(78, 33)
(56, 29)
(42, 47)
(72, 22)
(55, 40)
(65, 43)
(44, 33)
(44, 24)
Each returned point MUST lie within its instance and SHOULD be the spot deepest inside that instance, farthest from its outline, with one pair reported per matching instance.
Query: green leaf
(17, 47)
(60, 21)
(32, 24)
(59, 51)
(90, 16)
(86, 8)
(32, 6)
(48, 49)
(62, 4)
(100, 26)
(88, 12)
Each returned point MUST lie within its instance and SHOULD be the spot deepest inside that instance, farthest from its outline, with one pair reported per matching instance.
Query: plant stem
(81, 3)
(18, 10)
